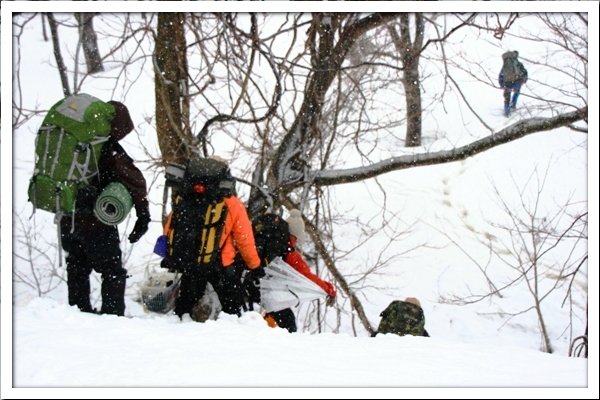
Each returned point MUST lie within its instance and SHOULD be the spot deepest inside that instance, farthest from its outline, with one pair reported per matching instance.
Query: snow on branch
(506, 135)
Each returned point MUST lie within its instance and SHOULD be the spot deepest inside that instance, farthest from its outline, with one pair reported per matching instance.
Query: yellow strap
(208, 239)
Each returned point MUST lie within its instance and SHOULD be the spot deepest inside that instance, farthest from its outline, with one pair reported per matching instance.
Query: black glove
(165, 263)
(257, 273)
(252, 285)
(141, 226)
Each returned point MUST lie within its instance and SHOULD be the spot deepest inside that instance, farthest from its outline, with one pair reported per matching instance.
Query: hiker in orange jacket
(236, 235)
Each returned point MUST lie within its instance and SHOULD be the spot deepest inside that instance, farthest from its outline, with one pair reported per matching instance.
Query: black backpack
(271, 236)
(199, 211)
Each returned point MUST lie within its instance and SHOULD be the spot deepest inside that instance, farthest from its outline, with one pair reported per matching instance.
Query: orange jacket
(294, 259)
(237, 233)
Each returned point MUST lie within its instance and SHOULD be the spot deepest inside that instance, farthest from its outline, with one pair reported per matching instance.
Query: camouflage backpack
(402, 318)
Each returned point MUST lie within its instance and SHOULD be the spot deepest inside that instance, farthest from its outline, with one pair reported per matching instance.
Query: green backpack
(510, 67)
(67, 148)
(402, 318)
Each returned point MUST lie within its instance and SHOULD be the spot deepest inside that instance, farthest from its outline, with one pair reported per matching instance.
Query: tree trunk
(89, 41)
(170, 67)
(410, 51)
(62, 69)
(410, 79)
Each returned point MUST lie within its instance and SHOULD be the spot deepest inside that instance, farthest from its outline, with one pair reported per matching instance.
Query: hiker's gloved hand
(330, 301)
(252, 292)
(253, 277)
(252, 285)
(165, 263)
(257, 273)
(141, 226)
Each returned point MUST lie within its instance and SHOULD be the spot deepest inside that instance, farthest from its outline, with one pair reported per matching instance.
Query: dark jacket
(114, 165)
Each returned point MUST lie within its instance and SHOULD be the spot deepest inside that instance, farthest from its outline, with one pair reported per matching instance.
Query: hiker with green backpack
(512, 76)
(78, 157)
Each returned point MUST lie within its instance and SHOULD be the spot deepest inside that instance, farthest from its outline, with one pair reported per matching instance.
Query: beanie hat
(218, 158)
(121, 124)
(413, 300)
(296, 225)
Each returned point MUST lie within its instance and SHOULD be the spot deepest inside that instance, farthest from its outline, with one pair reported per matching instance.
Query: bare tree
(42, 274)
(544, 252)
(89, 42)
(62, 69)
(172, 102)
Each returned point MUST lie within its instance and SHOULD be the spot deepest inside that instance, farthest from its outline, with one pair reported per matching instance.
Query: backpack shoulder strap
(214, 222)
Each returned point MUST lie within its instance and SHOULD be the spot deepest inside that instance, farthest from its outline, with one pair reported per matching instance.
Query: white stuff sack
(284, 287)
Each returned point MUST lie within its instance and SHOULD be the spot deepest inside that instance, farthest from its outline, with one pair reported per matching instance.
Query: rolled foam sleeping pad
(114, 204)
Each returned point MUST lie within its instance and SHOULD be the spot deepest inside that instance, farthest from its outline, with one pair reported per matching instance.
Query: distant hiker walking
(512, 76)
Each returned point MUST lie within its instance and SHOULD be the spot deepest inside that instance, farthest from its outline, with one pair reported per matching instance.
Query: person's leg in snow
(78, 282)
(507, 93)
(113, 289)
(193, 286)
(228, 286)
(106, 260)
(515, 96)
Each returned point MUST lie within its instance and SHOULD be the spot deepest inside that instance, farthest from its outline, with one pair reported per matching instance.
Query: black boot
(113, 292)
(78, 285)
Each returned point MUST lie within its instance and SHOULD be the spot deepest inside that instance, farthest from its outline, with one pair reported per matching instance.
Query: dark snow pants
(225, 281)
(97, 250)
(509, 102)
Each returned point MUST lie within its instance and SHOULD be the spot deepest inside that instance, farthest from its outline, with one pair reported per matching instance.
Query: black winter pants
(508, 101)
(225, 281)
(97, 250)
